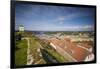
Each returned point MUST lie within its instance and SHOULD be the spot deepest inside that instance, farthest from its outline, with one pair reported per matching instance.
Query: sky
(54, 18)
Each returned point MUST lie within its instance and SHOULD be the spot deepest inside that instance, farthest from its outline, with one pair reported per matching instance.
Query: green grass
(34, 46)
(35, 43)
(57, 56)
(53, 52)
(21, 53)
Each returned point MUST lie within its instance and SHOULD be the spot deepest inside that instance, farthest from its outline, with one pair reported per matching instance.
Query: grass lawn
(34, 46)
(52, 52)
(57, 56)
(21, 53)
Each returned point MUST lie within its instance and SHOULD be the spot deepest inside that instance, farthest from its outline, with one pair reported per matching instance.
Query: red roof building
(73, 51)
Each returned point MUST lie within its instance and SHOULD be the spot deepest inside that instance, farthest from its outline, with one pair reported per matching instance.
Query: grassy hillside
(21, 53)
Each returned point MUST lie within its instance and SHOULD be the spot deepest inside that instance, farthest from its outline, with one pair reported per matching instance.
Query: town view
(53, 34)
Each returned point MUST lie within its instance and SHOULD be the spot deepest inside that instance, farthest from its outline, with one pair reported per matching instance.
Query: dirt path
(29, 56)
(38, 61)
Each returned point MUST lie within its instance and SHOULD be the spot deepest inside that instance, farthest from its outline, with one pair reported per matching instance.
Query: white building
(21, 28)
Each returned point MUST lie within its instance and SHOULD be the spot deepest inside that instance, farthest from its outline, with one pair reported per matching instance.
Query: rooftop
(76, 50)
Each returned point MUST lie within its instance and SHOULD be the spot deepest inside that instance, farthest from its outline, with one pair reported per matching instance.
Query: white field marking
(66, 53)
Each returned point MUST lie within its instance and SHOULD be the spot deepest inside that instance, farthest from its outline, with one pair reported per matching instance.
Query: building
(74, 52)
(21, 28)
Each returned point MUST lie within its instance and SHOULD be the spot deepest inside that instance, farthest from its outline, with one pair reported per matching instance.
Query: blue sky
(54, 18)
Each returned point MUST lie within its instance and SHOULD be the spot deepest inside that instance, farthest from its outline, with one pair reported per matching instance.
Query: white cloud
(70, 16)
(65, 28)
(61, 18)
(61, 22)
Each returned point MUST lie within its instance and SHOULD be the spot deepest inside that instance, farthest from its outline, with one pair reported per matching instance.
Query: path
(29, 56)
